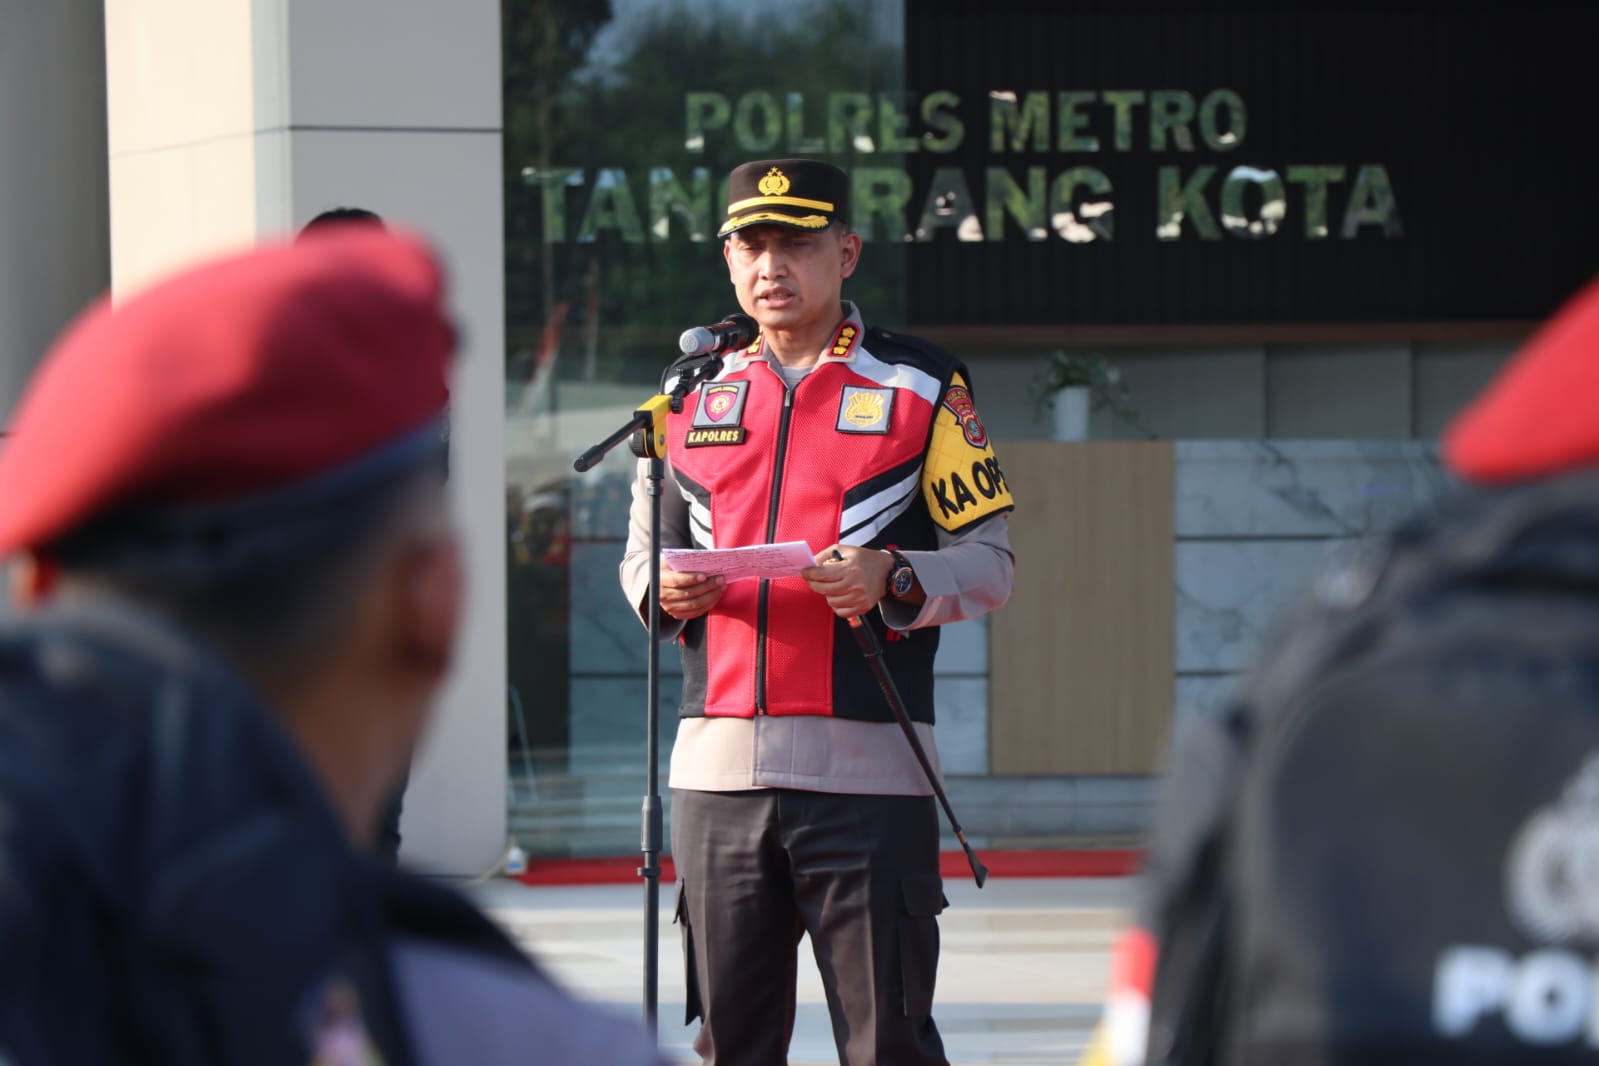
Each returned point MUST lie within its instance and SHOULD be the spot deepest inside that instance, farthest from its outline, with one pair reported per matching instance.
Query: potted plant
(1072, 386)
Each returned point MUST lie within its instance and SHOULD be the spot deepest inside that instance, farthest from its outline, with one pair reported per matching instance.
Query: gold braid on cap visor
(737, 221)
(801, 221)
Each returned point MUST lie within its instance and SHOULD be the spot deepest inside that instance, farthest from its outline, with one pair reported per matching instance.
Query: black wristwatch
(901, 578)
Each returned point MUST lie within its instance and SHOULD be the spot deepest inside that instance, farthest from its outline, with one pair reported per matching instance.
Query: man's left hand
(853, 584)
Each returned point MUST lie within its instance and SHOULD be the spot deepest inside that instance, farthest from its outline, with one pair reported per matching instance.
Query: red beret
(243, 375)
(1540, 416)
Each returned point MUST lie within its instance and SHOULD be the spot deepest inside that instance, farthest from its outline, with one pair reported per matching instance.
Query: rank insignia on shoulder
(844, 340)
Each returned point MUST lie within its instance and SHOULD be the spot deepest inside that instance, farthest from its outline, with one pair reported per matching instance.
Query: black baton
(874, 658)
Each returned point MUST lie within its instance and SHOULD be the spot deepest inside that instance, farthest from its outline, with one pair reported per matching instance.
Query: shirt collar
(840, 348)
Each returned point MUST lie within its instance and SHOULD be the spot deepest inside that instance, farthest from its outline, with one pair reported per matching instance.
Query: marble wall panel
(1229, 591)
(1260, 489)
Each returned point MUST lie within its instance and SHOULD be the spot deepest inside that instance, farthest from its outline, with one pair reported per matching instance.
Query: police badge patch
(718, 414)
(959, 401)
(863, 410)
(721, 404)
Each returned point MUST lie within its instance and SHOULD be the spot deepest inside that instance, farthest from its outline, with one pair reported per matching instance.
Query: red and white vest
(842, 457)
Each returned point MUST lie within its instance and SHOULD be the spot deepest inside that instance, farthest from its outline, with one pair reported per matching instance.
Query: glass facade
(622, 120)
(1261, 257)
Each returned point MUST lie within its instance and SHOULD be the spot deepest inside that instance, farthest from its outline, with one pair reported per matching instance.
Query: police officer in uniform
(1381, 849)
(237, 586)
(798, 808)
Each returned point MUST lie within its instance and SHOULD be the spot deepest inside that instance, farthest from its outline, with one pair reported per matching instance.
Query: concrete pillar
(53, 228)
(236, 120)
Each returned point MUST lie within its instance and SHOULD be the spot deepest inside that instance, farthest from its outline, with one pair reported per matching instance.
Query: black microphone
(734, 331)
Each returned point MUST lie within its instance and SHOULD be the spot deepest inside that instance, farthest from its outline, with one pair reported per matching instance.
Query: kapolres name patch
(699, 438)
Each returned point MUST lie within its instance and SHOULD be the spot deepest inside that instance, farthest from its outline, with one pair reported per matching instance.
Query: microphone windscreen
(696, 340)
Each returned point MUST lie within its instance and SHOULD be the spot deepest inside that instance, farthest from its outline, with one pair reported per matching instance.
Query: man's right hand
(685, 596)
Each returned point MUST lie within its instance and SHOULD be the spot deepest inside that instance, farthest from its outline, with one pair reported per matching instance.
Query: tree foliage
(577, 98)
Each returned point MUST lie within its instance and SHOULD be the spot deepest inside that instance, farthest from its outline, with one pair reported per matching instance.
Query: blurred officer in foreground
(1385, 849)
(238, 586)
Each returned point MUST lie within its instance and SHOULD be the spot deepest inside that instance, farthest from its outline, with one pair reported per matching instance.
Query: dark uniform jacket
(1384, 851)
(175, 888)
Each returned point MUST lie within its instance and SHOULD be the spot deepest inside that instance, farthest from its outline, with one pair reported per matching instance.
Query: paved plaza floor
(1022, 976)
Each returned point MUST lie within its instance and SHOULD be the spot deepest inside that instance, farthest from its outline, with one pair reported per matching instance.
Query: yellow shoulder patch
(961, 478)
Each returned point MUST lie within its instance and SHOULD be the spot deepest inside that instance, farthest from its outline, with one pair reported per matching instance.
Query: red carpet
(1085, 862)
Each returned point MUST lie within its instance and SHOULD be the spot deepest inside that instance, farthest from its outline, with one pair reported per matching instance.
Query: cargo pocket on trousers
(691, 978)
(923, 901)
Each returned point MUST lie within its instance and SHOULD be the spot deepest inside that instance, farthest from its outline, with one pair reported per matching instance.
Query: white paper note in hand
(736, 564)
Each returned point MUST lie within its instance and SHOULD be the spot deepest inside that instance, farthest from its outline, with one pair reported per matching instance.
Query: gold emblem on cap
(775, 183)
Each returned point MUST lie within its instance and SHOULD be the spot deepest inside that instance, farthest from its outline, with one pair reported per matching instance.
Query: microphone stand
(646, 435)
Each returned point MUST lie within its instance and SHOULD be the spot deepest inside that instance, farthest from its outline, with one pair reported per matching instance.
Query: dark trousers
(757, 870)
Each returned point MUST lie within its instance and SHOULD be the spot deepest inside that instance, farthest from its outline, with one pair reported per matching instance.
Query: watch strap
(900, 563)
